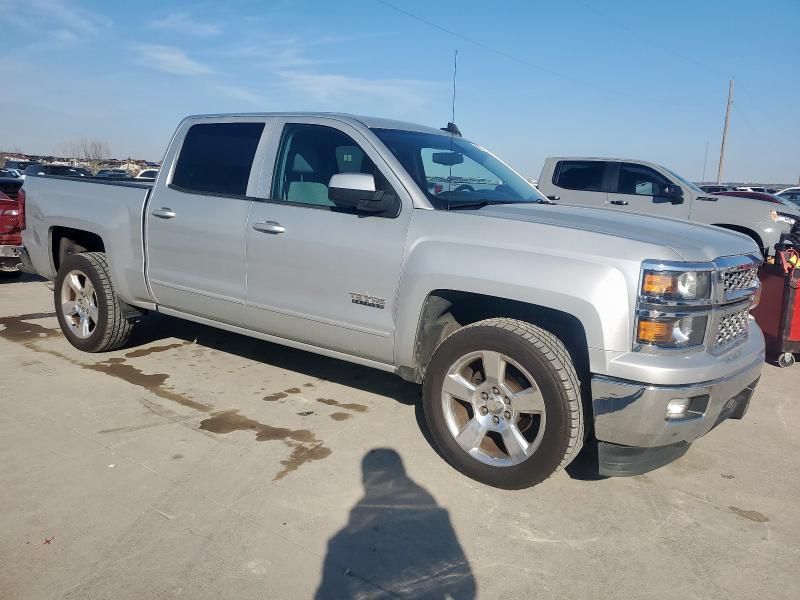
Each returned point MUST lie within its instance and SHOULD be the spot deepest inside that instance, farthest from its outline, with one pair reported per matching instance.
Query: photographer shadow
(398, 542)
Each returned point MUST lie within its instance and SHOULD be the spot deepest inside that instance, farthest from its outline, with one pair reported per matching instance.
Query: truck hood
(692, 241)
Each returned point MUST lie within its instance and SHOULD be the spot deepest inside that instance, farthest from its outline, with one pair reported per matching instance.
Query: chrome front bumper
(633, 415)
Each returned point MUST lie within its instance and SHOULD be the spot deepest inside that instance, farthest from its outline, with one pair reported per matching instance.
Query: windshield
(688, 184)
(451, 170)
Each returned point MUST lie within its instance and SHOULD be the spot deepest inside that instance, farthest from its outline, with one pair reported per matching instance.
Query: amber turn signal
(655, 332)
(659, 284)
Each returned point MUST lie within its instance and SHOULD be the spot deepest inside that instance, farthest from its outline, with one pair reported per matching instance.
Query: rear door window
(217, 157)
(583, 175)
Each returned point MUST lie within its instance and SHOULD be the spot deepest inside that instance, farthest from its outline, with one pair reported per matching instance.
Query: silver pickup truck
(625, 185)
(534, 328)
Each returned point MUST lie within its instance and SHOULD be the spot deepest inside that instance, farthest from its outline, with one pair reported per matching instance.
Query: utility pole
(705, 160)
(725, 131)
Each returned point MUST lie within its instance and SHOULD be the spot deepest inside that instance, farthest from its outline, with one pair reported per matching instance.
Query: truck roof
(371, 122)
(603, 158)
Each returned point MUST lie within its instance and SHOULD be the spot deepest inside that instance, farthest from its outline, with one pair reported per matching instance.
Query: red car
(12, 222)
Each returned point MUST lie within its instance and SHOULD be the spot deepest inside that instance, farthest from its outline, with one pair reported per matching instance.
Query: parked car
(714, 189)
(751, 188)
(18, 165)
(791, 194)
(58, 170)
(147, 174)
(12, 199)
(511, 311)
(636, 186)
(10, 173)
(114, 174)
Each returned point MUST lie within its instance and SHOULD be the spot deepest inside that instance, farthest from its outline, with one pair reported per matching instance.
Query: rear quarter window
(217, 157)
(583, 175)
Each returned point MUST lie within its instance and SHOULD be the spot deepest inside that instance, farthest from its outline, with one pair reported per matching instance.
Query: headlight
(672, 332)
(782, 217)
(676, 285)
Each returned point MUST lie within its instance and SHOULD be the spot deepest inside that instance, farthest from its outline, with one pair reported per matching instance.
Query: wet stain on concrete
(154, 383)
(147, 351)
(304, 444)
(751, 515)
(308, 385)
(281, 395)
(177, 456)
(347, 406)
(340, 416)
(301, 455)
(18, 328)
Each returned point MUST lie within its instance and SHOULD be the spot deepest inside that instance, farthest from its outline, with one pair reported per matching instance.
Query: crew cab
(534, 328)
(637, 186)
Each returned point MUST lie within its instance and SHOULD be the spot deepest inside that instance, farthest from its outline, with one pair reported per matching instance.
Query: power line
(520, 60)
(645, 38)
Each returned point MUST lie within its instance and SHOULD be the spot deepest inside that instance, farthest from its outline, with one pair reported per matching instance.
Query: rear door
(197, 215)
(640, 188)
(318, 273)
(581, 182)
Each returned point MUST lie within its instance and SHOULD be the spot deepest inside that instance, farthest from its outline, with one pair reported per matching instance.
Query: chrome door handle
(620, 202)
(269, 227)
(164, 213)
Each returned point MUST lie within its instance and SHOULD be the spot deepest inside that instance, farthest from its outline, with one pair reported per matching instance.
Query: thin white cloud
(183, 22)
(65, 37)
(329, 87)
(168, 59)
(240, 93)
(62, 17)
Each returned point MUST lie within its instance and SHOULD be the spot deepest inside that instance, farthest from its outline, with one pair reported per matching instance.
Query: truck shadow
(156, 327)
(398, 542)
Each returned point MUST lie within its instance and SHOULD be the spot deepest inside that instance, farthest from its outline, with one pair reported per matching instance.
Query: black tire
(113, 328)
(544, 356)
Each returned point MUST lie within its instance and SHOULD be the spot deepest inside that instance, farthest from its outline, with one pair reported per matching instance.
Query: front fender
(596, 293)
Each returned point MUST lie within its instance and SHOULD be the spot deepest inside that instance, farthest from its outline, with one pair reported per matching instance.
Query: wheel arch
(69, 240)
(445, 311)
(751, 233)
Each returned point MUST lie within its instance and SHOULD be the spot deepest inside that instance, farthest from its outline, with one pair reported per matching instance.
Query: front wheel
(502, 401)
(91, 315)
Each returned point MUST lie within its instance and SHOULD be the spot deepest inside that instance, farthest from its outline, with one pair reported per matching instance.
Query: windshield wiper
(482, 203)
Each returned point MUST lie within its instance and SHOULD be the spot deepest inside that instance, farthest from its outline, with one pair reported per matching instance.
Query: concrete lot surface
(201, 464)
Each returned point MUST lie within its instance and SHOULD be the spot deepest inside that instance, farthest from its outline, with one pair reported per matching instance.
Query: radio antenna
(455, 72)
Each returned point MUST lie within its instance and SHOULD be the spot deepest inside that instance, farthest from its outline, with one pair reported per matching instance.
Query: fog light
(677, 407)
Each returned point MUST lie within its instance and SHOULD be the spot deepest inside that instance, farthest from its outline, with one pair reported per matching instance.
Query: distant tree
(91, 152)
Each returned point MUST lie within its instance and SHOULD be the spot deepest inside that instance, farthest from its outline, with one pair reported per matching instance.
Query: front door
(318, 273)
(640, 189)
(196, 221)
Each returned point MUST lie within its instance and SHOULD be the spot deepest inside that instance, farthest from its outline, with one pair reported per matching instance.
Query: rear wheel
(502, 401)
(91, 315)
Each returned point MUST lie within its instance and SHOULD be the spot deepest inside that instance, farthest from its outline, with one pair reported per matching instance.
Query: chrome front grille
(731, 327)
(740, 278)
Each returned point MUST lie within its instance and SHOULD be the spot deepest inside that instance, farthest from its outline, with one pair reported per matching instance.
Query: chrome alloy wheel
(493, 408)
(79, 304)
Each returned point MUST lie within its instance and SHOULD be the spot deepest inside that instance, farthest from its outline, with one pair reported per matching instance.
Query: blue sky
(575, 77)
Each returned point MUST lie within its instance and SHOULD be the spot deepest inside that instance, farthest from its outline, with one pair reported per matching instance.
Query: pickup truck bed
(106, 208)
